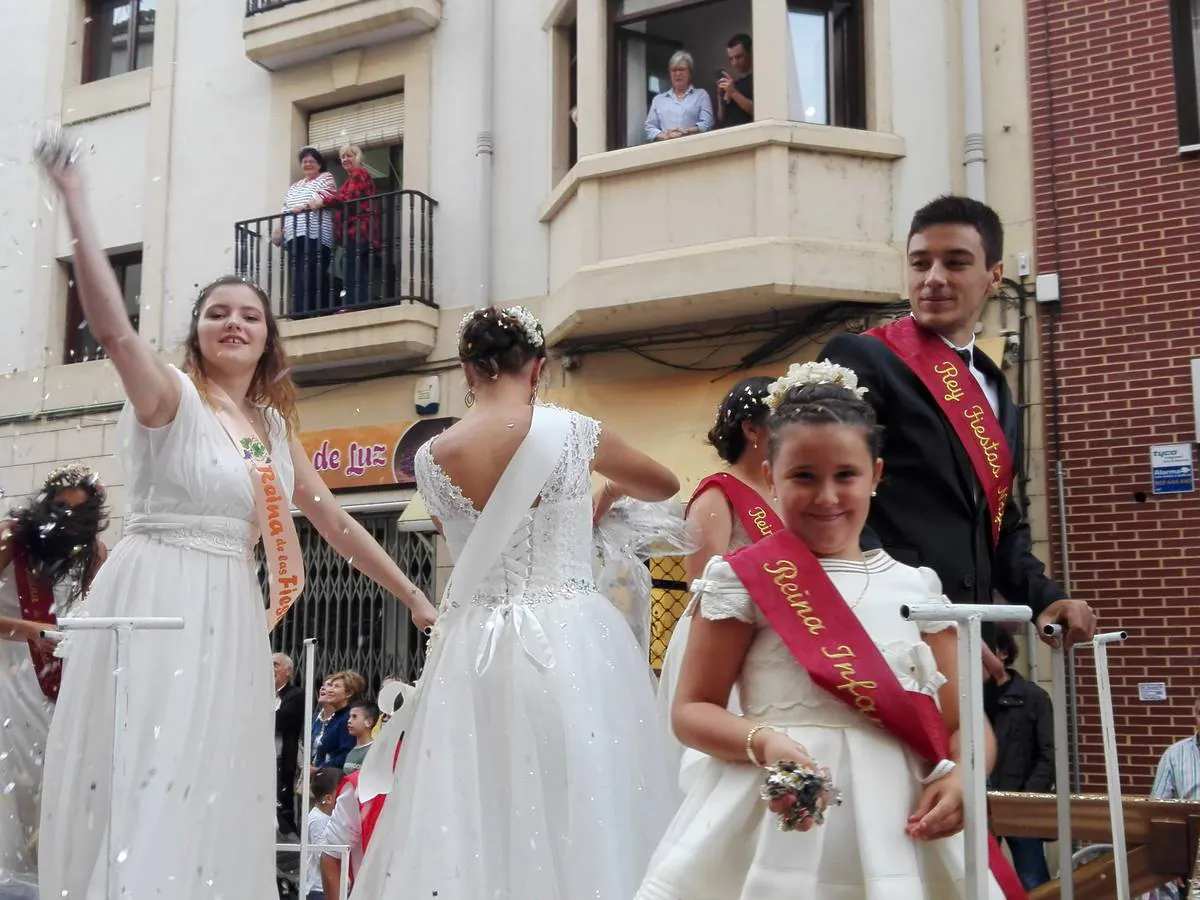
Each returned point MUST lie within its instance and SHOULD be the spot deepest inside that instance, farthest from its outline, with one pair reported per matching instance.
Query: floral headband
(520, 317)
(799, 374)
(73, 475)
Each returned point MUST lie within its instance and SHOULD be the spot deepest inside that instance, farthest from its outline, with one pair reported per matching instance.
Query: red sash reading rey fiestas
(281, 543)
(757, 518)
(811, 617)
(36, 596)
(963, 403)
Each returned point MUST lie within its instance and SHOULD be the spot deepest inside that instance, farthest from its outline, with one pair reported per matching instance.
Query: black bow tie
(964, 355)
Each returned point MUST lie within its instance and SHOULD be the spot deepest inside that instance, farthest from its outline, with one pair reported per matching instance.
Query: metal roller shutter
(367, 124)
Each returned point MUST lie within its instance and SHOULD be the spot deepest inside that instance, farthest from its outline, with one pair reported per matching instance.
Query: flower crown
(521, 318)
(73, 475)
(799, 374)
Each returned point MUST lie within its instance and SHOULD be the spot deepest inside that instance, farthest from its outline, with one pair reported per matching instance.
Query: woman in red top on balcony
(356, 227)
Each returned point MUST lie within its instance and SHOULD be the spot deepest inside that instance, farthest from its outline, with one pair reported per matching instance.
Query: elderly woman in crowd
(684, 109)
(357, 225)
(307, 233)
(331, 739)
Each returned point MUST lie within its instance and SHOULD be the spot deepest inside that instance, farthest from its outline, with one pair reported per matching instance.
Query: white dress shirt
(990, 390)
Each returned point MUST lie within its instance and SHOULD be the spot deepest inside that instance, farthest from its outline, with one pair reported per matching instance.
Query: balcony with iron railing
(284, 33)
(352, 283)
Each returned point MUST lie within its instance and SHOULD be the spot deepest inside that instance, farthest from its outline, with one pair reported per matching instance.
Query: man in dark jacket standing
(289, 722)
(1024, 724)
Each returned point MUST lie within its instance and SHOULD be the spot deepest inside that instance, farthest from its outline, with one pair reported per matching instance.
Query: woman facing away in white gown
(49, 550)
(532, 765)
(810, 630)
(195, 789)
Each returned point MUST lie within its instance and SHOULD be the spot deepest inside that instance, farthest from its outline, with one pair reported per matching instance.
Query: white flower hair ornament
(799, 374)
(519, 316)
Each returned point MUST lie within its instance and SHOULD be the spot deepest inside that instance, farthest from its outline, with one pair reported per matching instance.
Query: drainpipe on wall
(483, 154)
(974, 158)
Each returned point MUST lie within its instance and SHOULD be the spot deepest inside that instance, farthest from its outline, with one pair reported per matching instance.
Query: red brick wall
(1126, 244)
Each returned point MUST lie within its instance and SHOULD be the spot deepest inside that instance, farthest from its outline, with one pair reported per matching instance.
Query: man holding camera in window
(735, 93)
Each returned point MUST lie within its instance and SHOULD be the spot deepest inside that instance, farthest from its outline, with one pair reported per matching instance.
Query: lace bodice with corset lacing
(549, 554)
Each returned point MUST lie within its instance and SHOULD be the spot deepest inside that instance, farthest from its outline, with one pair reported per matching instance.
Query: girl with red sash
(728, 510)
(809, 629)
(48, 552)
(212, 465)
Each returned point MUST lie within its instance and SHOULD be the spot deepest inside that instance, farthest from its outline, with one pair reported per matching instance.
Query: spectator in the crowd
(307, 232)
(1178, 778)
(331, 738)
(356, 226)
(1024, 726)
(684, 109)
(361, 725)
(289, 723)
(324, 786)
(735, 92)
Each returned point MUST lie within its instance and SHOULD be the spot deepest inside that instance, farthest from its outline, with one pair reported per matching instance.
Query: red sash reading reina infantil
(795, 595)
(281, 544)
(963, 403)
(758, 520)
(36, 596)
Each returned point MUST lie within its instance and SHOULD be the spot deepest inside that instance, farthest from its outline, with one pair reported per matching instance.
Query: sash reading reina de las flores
(963, 403)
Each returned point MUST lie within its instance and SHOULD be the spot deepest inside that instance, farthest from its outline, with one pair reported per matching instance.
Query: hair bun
(746, 402)
(499, 341)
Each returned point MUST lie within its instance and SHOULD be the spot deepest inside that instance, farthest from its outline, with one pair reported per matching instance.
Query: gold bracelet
(750, 743)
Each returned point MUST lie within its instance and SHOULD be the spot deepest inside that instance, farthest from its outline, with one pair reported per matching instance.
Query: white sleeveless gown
(197, 799)
(533, 768)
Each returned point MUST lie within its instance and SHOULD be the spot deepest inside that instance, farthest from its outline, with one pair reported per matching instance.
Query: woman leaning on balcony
(356, 225)
(308, 234)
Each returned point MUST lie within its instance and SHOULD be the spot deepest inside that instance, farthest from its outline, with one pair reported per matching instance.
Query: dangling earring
(874, 493)
(754, 444)
(469, 399)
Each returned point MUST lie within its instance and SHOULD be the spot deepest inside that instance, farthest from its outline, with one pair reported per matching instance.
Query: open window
(645, 33)
(80, 344)
(827, 83)
(1185, 46)
(118, 37)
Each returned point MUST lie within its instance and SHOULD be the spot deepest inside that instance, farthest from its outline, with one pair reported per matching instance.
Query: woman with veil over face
(532, 762)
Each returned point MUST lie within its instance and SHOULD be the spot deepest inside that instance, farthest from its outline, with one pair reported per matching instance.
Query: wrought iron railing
(376, 251)
(254, 7)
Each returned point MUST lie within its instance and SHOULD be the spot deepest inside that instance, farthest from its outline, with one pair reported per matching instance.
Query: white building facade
(505, 138)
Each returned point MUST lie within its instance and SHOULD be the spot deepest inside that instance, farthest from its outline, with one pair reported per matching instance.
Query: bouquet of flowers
(811, 790)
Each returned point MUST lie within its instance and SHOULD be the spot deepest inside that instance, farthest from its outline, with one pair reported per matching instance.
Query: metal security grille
(357, 624)
(668, 600)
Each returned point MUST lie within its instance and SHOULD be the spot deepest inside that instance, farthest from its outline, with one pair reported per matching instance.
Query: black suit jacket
(289, 724)
(930, 510)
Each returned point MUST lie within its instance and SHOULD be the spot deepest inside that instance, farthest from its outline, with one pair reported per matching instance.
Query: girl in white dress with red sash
(809, 629)
(728, 510)
(532, 766)
(212, 464)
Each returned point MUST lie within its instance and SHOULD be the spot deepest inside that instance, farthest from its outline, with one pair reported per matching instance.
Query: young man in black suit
(952, 432)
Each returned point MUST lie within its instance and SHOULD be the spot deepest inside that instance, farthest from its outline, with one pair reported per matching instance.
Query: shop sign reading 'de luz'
(371, 455)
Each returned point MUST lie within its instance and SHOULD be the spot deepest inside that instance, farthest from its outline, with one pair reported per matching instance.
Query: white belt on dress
(524, 622)
(221, 535)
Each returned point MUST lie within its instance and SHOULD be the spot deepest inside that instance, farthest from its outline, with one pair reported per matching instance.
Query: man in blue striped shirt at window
(1178, 778)
(684, 109)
